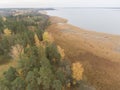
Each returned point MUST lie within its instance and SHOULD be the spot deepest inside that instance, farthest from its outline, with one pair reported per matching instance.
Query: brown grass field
(99, 53)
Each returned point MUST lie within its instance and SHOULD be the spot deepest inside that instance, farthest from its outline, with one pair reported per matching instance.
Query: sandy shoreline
(98, 52)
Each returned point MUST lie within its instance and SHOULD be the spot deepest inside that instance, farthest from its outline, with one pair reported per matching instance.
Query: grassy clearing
(4, 67)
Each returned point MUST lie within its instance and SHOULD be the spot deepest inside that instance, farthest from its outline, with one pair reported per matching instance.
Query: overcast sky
(59, 3)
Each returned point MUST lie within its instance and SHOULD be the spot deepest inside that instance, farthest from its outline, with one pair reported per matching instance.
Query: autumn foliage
(7, 32)
(47, 37)
(61, 51)
(77, 71)
(37, 41)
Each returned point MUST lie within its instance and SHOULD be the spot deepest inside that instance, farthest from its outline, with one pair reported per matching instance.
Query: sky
(58, 3)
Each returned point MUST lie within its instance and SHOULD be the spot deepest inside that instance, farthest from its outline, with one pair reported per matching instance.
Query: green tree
(52, 54)
(5, 84)
(57, 85)
(18, 84)
(39, 34)
(11, 74)
(31, 81)
(1, 25)
(46, 75)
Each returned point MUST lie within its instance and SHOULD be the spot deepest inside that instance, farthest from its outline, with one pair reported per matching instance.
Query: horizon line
(59, 7)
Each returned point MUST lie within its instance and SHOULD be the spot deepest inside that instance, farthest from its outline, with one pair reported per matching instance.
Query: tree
(1, 25)
(5, 47)
(31, 81)
(39, 34)
(77, 71)
(61, 51)
(18, 84)
(7, 32)
(52, 53)
(46, 74)
(47, 37)
(5, 84)
(57, 85)
(37, 41)
(11, 74)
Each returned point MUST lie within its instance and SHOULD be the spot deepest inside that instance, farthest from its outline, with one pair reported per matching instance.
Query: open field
(98, 52)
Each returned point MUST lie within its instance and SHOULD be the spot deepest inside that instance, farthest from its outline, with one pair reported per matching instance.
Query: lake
(95, 19)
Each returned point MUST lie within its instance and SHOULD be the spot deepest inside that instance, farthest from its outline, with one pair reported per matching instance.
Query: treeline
(41, 64)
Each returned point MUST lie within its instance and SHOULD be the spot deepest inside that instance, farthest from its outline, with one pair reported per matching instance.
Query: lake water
(95, 19)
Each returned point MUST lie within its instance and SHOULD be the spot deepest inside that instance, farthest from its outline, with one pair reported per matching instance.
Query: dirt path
(98, 52)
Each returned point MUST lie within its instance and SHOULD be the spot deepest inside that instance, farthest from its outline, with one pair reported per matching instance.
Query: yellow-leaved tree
(47, 37)
(77, 71)
(37, 41)
(7, 32)
(61, 51)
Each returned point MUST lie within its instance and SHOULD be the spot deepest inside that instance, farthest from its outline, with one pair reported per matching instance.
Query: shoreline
(98, 25)
(58, 19)
(97, 37)
(98, 52)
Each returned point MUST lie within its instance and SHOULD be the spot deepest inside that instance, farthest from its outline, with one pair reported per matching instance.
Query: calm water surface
(100, 20)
